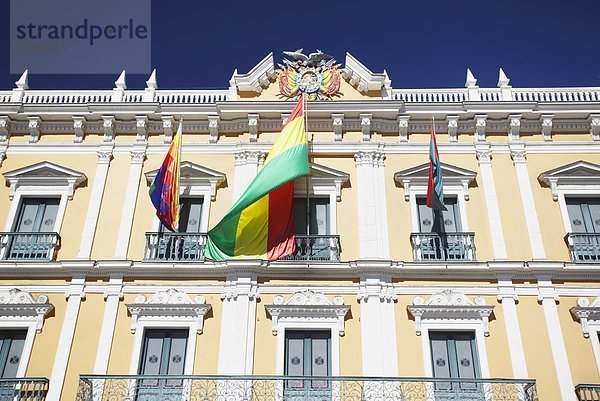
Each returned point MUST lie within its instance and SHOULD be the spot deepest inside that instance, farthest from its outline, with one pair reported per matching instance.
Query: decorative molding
(213, 128)
(257, 78)
(5, 122)
(418, 176)
(168, 123)
(105, 154)
(240, 286)
(518, 153)
(17, 305)
(44, 174)
(370, 158)
(323, 179)
(169, 304)
(362, 78)
(194, 176)
(573, 175)
(244, 157)
(403, 122)
(480, 127)
(337, 120)
(307, 305)
(108, 126)
(452, 122)
(365, 125)
(587, 313)
(595, 126)
(514, 130)
(483, 152)
(376, 287)
(449, 304)
(141, 128)
(253, 119)
(79, 128)
(546, 120)
(34, 126)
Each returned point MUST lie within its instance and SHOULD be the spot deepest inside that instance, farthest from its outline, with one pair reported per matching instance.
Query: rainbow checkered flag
(435, 186)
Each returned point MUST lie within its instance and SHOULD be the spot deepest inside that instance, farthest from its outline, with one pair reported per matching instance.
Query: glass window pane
(29, 209)
(451, 217)
(464, 357)
(319, 363)
(594, 208)
(152, 354)
(439, 356)
(17, 339)
(300, 216)
(295, 356)
(319, 216)
(177, 356)
(425, 216)
(48, 219)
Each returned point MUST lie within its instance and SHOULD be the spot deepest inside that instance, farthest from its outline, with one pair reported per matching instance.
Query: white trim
(595, 341)
(112, 295)
(507, 296)
(589, 318)
(27, 346)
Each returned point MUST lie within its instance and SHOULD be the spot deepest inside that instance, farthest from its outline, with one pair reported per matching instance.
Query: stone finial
(23, 82)
(471, 80)
(151, 82)
(503, 80)
(120, 82)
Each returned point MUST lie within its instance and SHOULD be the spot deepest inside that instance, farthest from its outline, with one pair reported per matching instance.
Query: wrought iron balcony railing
(316, 247)
(588, 392)
(28, 246)
(175, 246)
(25, 389)
(169, 246)
(584, 247)
(300, 388)
(434, 247)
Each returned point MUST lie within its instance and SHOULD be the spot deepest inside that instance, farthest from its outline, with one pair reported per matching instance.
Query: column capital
(240, 285)
(377, 287)
(76, 287)
(114, 288)
(372, 158)
(506, 290)
(245, 157)
(518, 152)
(546, 290)
(483, 153)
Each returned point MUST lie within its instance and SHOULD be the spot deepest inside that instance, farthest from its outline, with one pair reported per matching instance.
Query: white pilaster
(507, 296)
(372, 209)
(548, 296)
(74, 295)
(236, 350)
(93, 212)
(378, 325)
(112, 295)
(518, 154)
(484, 158)
(137, 161)
(246, 168)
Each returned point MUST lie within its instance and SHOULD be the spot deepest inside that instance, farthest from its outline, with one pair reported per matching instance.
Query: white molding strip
(112, 294)
(507, 296)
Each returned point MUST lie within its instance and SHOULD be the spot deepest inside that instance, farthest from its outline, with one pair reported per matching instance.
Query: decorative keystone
(514, 130)
(141, 128)
(167, 123)
(213, 128)
(253, 126)
(452, 122)
(338, 126)
(480, 127)
(547, 127)
(365, 125)
(108, 125)
(4, 129)
(79, 128)
(403, 128)
(35, 125)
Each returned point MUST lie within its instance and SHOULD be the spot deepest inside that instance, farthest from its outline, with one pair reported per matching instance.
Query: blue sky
(426, 43)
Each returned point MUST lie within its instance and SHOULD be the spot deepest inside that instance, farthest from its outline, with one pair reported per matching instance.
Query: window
(307, 353)
(438, 221)
(454, 355)
(584, 238)
(190, 216)
(312, 219)
(11, 349)
(163, 354)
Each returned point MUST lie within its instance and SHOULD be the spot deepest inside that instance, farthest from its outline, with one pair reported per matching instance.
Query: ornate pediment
(587, 313)
(169, 304)
(450, 304)
(417, 177)
(307, 304)
(21, 305)
(195, 175)
(44, 174)
(573, 174)
(323, 177)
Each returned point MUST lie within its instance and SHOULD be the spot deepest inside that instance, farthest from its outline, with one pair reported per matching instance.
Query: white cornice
(18, 305)
(257, 78)
(363, 78)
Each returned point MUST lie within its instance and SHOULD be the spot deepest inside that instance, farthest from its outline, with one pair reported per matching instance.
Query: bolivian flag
(260, 224)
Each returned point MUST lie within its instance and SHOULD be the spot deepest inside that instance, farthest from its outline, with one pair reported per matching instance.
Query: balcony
(25, 389)
(28, 246)
(446, 247)
(588, 392)
(167, 246)
(297, 388)
(584, 247)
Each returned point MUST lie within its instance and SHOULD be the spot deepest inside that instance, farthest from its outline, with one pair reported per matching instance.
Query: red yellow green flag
(260, 224)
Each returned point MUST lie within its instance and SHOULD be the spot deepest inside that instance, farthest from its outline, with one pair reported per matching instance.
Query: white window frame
(308, 310)
(22, 311)
(588, 315)
(449, 310)
(170, 309)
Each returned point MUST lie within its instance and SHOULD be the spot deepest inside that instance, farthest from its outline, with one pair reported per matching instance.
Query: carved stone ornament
(480, 126)
(253, 126)
(588, 314)
(4, 129)
(79, 128)
(338, 126)
(35, 127)
(403, 127)
(17, 305)
(166, 305)
(308, 305)
(168, 123)
(450, 304)
(316, 75)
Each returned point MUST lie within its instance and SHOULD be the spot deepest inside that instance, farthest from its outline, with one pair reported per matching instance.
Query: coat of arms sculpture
(316, 75)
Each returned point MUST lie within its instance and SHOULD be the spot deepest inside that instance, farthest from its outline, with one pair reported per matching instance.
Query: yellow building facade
(496, 298)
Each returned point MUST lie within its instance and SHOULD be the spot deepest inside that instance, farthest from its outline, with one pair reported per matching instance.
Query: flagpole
(305, 110)
(179, 170)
